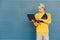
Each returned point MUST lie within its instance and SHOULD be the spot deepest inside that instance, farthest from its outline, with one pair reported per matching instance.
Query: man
(41, 24)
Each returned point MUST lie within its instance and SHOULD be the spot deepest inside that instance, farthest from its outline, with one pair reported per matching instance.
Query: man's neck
(42, 12)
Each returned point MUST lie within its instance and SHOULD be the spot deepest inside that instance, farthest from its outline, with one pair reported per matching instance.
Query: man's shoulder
(37, 13)
(49, 14)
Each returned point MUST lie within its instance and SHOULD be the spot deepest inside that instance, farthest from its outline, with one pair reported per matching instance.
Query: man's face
(40, 9)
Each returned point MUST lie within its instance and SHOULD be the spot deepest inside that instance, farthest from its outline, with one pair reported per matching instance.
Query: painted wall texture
(14, 24)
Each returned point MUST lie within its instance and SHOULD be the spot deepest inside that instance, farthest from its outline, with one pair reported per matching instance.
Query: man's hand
(32, 20)
(41, 19)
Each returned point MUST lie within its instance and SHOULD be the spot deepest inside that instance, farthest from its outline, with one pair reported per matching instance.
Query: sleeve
(48, 20)
(36, 23)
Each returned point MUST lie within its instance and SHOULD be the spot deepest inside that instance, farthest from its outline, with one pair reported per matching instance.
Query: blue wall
(14, 24)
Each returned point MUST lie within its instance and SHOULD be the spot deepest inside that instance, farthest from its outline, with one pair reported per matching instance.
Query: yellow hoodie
(42, 28)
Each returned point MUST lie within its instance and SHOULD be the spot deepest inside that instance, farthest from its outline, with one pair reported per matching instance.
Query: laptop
(31, 16)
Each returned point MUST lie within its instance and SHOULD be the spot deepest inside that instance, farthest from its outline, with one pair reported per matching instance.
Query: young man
(42, 24)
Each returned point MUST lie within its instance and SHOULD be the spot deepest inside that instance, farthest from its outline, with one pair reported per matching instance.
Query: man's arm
(35, 22)
(48, 20)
